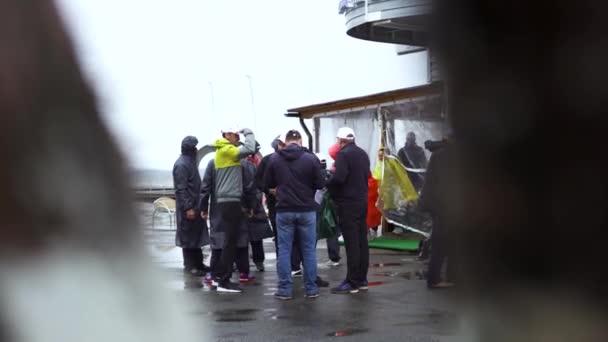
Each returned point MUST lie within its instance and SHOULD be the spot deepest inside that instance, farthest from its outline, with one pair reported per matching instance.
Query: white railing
(346, 5)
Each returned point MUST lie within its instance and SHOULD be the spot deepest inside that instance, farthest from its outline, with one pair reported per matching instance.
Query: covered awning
(385, 98)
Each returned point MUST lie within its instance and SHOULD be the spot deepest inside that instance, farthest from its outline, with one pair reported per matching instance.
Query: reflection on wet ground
(445, 322)
(387, 264)
(347, 332)
(375, 283)
(236, 315)
(397, 307)
(410, 275)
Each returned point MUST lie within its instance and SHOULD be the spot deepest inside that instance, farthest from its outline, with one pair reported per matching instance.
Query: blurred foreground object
(527, 97)
(72, 265)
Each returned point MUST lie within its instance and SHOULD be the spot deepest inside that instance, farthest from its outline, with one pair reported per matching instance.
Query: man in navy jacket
(296, 175)
(348, 188)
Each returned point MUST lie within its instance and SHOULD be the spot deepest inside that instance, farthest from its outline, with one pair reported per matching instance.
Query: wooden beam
(308, 112)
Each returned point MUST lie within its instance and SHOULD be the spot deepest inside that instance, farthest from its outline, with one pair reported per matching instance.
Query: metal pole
(255, 124)
(212, 98)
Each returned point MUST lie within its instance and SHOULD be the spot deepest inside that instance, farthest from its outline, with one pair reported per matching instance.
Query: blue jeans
(304, 223)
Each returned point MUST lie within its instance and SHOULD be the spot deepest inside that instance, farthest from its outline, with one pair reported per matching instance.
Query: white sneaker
(297, 273)
(332, 263)
(229, 287)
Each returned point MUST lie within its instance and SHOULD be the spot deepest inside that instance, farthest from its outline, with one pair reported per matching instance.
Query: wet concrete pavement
(398, 307)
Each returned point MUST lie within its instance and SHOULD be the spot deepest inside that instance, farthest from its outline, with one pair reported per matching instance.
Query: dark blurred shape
(527, 98)
(434, 145)
(61, 175)
(71, 257)
(323, 164)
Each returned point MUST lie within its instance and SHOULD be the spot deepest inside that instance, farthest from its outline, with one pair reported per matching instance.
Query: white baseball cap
(230, 129)
(346, 133)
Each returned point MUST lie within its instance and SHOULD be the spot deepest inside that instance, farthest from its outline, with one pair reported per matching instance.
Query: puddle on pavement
(416, 275)
(386, 264)
(235, 319)
(446, 322)
(193, 285)
(388, 274)
(273, 315)
(234, 315)
(347, 332)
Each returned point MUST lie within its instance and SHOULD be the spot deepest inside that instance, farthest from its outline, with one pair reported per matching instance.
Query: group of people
(292, 180)
(230, 196)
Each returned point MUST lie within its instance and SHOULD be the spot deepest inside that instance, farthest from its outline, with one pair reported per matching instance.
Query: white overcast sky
(151, 62)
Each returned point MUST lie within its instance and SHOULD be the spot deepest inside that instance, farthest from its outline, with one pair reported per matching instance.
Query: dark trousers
(231, 216)
(352, 221)
(193, 258)
(333, 249)
(257, 251)
(296, 253)
(242, 260)
(439, 252)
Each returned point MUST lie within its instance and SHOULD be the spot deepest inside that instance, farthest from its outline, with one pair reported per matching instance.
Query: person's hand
(204, 215)
(273, 192)
(190, 214)
(250, 213)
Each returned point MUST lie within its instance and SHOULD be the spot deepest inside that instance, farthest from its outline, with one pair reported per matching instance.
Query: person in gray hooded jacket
(229, 190)
(218, 228)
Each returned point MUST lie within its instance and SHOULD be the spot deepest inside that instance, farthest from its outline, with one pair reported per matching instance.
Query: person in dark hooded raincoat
(259, 228)
(217, 228)
(191, 234)
(271, 200)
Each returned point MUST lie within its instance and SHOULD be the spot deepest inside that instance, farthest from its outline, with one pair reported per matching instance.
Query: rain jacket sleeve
(259, 174)
(182, 196)
(319, 176)
(269, 178)
(207, 186)
(403, 157)
(249, 188)
(248, 146)
(428, 194)
(422, 161)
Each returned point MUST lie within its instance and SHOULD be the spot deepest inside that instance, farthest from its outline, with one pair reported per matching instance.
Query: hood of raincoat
(189, 144)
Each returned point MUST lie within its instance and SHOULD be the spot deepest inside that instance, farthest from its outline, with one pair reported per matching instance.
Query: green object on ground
(326, 219)
(394, 244)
